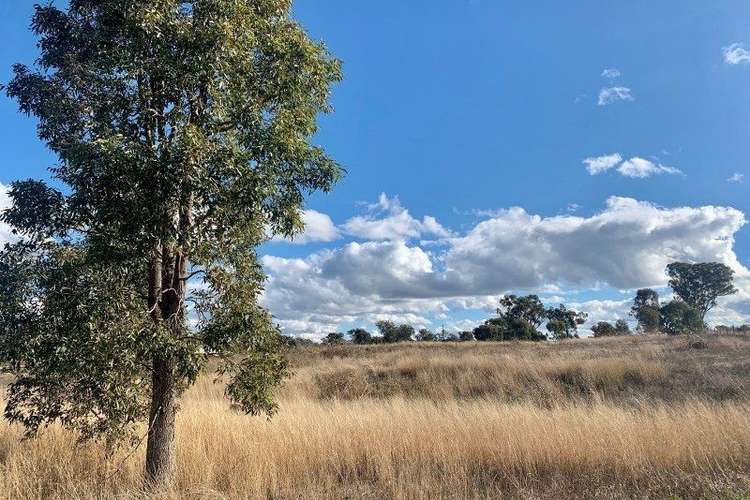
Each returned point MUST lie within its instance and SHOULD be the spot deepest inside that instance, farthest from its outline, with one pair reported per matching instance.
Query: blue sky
(459, 110)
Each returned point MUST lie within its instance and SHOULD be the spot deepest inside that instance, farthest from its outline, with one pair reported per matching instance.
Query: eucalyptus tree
(183, 132)
(646, 309)
(700, 285)
(563, 323)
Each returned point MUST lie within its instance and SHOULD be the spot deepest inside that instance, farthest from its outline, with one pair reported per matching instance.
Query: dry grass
(590, 419)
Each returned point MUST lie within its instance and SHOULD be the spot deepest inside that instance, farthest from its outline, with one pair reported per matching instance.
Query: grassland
(645, 417)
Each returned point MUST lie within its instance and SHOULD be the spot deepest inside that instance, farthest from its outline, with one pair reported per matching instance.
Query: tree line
(696, 288)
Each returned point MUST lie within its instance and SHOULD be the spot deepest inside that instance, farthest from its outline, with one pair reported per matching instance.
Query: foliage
(645, 310)
(393, 333)
(622, 327)
(700, 285)
(518, 319)
(679, 317)
(425, 335)
(295, 342)
(183, 132)
(489, 332)
(606, 329)
(333, 338)
(466, 336)
(563, 322)
(360, 336)
(527, 308)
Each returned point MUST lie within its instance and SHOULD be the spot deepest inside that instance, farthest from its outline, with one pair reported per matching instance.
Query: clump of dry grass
(447, 435)
(443, 378)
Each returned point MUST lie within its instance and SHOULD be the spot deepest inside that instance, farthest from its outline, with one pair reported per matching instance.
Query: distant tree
(466, 336)
(606, 329)
(603, 329)
(645, 310)
(679, 317)
(444, 336)
(425, 335)
(518, 319)
(404, 333)
(294, 342)
(360, 336)
(622, 327)
(700, 285)
(489, 332)
(393, 333)
(303, 342)
(521, 329)
(563, 323)
(334, 339)
(732, 330)
(387, 329)
(528, 308)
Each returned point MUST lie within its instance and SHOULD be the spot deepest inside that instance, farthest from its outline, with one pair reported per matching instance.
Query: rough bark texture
(160, 450)
(167, 292)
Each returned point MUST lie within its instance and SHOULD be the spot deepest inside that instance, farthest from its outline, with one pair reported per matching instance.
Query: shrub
(677, 317)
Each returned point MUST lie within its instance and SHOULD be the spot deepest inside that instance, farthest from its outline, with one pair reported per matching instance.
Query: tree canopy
(183, 133)
(700, 285)
(679, 317)
(563, 323)
(645, 310)
(392, 333)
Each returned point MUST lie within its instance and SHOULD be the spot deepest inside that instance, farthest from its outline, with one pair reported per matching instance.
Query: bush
(360, 336)
(426, 335)
(333, 339)
(392, 333)
(677, 317)
(603, 329)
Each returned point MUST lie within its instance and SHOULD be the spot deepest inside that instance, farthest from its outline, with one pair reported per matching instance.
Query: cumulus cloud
(734, 309)
(611, 73)
(736, 54)
(736, 178)
(388, 220)
(625, 246)
(598, 164)
(602, 310)
(611, 95)
(640, 168)
(318, 228)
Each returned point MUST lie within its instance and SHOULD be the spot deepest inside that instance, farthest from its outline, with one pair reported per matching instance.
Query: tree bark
(165, 301)
(160, 449)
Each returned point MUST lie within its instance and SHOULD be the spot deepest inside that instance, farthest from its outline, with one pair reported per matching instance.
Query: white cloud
(736, 177)
(736, 54)
(734, 309)
(611, 95)
(611, 73)
(318, 228)
(602, 310)
(391, 221)
(636, 167)
(625, 246)
(640, 168)
(5, 232)
(599, 164)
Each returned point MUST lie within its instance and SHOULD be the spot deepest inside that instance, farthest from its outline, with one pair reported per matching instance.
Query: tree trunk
(166, 295)
(160, 449)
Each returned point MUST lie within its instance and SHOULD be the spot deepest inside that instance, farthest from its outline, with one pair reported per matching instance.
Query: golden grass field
(645, 417)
